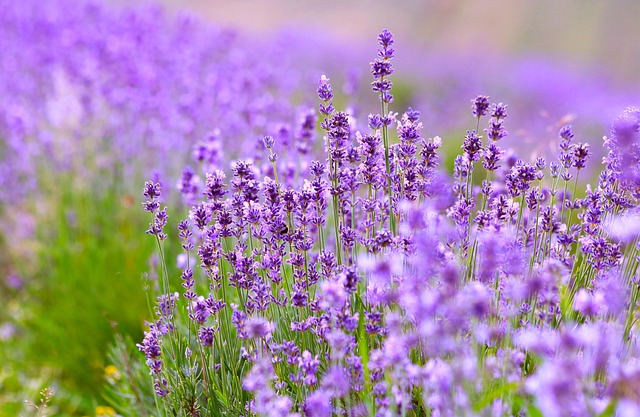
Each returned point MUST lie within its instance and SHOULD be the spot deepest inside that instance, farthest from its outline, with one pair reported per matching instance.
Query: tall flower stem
(387, 164)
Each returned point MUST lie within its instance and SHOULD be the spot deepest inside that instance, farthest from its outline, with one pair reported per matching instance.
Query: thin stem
(385, 141)
(573, 195)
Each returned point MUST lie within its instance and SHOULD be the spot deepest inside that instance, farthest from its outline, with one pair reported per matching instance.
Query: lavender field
(227, 217)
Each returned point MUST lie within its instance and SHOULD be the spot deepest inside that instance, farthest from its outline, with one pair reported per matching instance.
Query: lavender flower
(325, 94)
(382, 68)
(472, 145)
(308, 366)
(150, 346)
(259, 328)
(580, 155)
(206, 335)
(480, 106)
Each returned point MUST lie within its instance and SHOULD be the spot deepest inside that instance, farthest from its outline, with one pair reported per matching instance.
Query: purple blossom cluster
(371, 283)
(91, 89)
(95, 91)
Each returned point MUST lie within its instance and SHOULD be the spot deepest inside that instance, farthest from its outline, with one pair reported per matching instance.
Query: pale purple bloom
(318, 404)
(259, 328)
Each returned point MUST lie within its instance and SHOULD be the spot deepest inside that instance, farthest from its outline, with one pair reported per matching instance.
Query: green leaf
(534, 411)
(498, 392)
(609, 411)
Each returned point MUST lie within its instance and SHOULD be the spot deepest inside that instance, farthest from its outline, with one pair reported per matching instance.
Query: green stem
(573, 195)
(385, 141)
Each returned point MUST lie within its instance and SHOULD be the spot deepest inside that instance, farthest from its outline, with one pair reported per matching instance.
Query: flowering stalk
(415, 318)
(381, 69)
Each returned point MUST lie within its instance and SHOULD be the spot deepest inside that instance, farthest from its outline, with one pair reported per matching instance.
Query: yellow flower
(111, 373)
(104, 411)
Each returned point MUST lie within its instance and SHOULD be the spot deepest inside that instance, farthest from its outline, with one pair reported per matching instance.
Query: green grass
(91, 257)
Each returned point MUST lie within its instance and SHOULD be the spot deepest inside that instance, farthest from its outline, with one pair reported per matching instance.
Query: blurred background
(552, 62)
(97, 97)
(600, 35)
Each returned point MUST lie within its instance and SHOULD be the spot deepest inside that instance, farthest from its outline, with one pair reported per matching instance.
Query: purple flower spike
(151, 190)
(382, 68)
(259, 328)
(480, 106)
(268, 142)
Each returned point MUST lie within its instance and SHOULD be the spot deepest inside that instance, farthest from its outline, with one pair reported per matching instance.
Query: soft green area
(92, 255)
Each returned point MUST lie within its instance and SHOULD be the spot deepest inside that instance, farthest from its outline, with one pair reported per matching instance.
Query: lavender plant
(93, 97)
(368, 283)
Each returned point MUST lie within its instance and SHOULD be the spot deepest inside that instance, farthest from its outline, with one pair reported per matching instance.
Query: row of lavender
(90, 89)
(372, 284)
